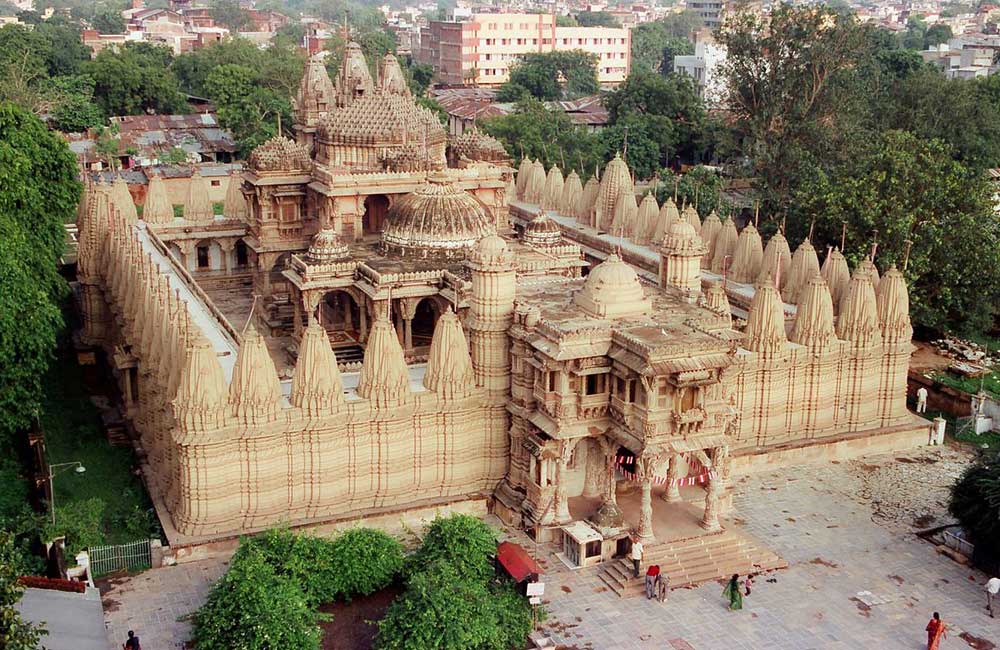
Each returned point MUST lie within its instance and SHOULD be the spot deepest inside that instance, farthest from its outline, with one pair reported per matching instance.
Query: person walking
(935, 632)
(662, 586)
(748, 584)
(132, 643)
(992, 589)
(636, 556)
(733, 593)
(652, 573)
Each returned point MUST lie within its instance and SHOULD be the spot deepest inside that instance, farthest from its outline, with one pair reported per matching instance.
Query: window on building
(216, 183)
(289, 212)
(524, 25)
(534, 41)
(508, 25)
(520, 41)
(504, 41)
(688, 398)
(579, 41)
(242, 257)
(596, 384)
(593, 549)
(202, 257)
(546, 41)
(487, 57)
(565, 41)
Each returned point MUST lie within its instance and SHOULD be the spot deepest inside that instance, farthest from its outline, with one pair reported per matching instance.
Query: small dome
(612, 290)
(326, 247)
(542, 231)
(435, 219)
(681, 237)
(280, 154)
(490, 250)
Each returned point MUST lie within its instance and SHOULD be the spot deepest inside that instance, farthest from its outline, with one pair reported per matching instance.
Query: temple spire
(197, 206)
(572, 190)
(645, 230)
(235, 206)
(893, 303)
(552, 195)
(200, 403)
(837, 275)
(765, 331)
(748, 256)
(725, 246)
(157, 208)
(858, 320)
(449, 366)
(814, 320)
(777, 256)
(254, 391)
(316, 385)
(384, 377)
(805, 264)
(122, 199)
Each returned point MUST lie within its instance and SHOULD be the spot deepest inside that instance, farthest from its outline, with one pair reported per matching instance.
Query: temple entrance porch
(671, 521)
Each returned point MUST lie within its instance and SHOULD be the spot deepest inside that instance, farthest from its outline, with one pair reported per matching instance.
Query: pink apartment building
(481, 50)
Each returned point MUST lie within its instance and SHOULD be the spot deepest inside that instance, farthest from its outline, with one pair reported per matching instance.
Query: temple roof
(327, 246)
(280, 154)
(542, 231)
(436, 218)
(475, 145)
(382, 119)
(612, 290)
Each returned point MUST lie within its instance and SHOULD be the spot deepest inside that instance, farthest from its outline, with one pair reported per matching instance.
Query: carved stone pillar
(645, 531)
(187, 254)
(710, 521)
(562, 514)
(227, 246)
(673, 491)
(594, 474)
(363, 310)
(407, 335)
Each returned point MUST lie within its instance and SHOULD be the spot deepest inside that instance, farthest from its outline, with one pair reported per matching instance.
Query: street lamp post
(80, 469)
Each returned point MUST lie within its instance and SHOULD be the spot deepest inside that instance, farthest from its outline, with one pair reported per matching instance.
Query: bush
(15, 633)
(254, 608)
(366, 560)
(80, 523)
(975, 502)
(464, 542)
(304, 559)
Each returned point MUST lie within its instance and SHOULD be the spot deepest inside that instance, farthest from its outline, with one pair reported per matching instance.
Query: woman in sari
(733, 593)
(935, 632)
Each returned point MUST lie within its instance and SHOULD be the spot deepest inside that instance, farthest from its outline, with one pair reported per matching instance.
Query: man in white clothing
(636, 556)
(992, 589)
(921, 400)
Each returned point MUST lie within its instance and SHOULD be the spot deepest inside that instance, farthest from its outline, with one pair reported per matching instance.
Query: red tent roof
(516, 561)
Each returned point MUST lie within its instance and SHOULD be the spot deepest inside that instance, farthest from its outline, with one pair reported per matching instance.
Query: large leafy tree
(229, 14)
(659, 41)
(38, 194)
(135, 79)
(668, 107)
(792, 92)
(15, 632)
(463, 541)
(596, 19)
(250, 111)
(548, 135)
(911, 189)
(552, 76)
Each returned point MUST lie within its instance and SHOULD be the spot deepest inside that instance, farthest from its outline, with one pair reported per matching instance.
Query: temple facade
(361, 329)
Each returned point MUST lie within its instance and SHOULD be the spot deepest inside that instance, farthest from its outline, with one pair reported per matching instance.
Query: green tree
(551, 76)
(915, 35)
(670, 109)
(135, 79)
(108, 20)
(792, 91)
(908, 188)
(643, 139)
(462, 541)
(366, 561)
(548, 135)
(229, 14)
(252, 607)
(418, 76)
(936, 34)
(251, 112)
(15, 632)
(38, 194)
(566, 21)
(74, 109)
(700, 186)
(656, 43)
(596, 19)
(674, 47)
(975, 503)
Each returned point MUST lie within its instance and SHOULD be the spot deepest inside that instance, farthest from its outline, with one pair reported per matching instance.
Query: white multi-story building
(704, 67)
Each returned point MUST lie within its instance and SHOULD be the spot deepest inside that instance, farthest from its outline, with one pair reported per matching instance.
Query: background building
(482, 50)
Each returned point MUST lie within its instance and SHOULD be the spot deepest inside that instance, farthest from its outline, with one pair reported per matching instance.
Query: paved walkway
(156, 603)
(858, 577)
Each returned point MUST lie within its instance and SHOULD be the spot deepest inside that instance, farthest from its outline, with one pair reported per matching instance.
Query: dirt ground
(350, 628)
(925, 357)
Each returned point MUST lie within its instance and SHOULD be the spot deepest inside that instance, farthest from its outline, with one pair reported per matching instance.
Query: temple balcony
(592, 407)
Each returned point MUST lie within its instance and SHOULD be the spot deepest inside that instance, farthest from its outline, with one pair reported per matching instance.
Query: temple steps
(348, 354)
(693, 561)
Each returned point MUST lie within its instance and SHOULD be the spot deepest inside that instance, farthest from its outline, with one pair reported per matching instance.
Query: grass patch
(989, 342)
(989, 383)
(178, 211)
(107, 504)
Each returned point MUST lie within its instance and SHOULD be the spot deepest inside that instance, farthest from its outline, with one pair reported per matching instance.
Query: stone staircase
(693, 561)
(349, 354)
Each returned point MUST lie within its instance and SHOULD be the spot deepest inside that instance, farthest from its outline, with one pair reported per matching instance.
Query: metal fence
(134, 556)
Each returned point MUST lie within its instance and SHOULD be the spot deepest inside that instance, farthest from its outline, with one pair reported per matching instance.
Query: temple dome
(681, 237)
(326, 247)
(437, 218)
(612, 290)
(542, 231)
(280, 154)
(477, 146)
(491, 251)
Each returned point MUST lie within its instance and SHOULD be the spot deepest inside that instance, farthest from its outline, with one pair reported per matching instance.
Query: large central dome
(436, 219)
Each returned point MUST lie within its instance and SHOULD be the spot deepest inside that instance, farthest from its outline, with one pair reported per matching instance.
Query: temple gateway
(382, 320)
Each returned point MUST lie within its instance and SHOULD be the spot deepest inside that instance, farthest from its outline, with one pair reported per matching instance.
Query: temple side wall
(362, 459)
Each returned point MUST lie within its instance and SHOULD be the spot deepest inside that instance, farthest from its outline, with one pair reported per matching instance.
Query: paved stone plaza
(858, 577)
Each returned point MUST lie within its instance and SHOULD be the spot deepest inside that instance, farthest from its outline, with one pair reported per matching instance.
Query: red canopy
(516, 561)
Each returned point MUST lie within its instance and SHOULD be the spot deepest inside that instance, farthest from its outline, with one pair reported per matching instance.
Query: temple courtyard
(858, 576)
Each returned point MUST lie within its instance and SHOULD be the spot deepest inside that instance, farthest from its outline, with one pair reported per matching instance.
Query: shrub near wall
(268, 598)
